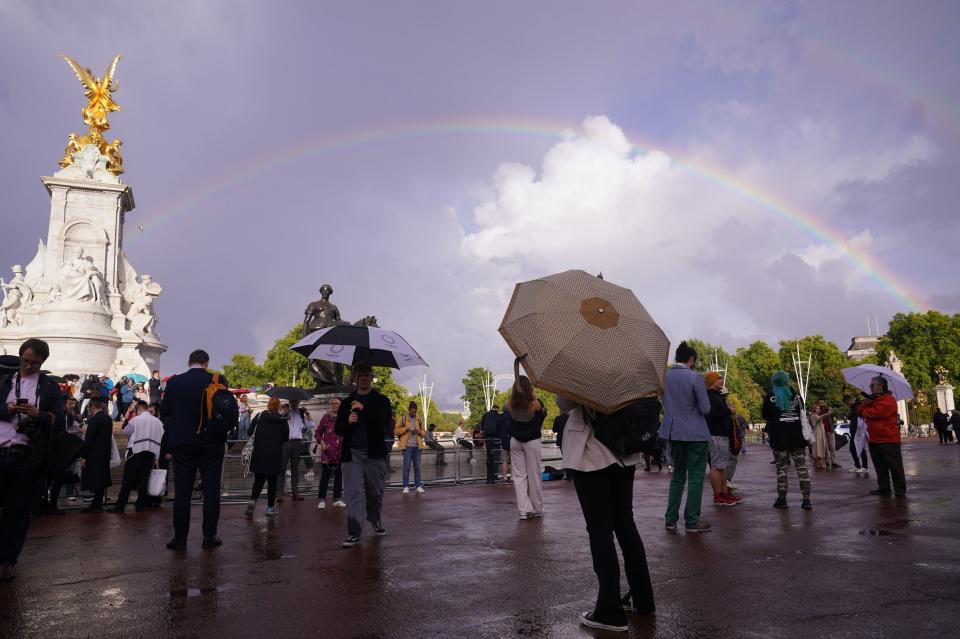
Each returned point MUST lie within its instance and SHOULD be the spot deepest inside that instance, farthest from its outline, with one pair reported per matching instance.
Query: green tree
(827, 363)
(243, 371)
(924, 341)
(285, 367)
(473, 393)
(758, 362)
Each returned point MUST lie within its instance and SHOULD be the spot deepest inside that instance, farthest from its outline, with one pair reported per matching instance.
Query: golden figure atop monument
(99, 94)
(941, 375)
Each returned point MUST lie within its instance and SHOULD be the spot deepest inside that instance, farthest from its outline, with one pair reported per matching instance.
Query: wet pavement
(458, 563)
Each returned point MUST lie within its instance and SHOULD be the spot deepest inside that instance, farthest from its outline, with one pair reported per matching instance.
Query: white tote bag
(862, 437)
(158, 482)
(114, 453)
(246, 455)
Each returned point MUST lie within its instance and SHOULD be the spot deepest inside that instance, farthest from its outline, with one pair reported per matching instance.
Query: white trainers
(406, 491)
(321, 505)
(731, 485)
(420, 490)
(854, 470)
(339, 504)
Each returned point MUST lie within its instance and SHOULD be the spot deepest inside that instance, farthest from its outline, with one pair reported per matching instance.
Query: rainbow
(808, 222)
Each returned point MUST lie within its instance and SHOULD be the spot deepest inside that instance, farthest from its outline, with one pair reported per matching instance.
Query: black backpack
(219, 410)
(632, 429)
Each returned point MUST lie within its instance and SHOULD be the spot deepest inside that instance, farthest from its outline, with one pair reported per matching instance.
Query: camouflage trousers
(782, 458)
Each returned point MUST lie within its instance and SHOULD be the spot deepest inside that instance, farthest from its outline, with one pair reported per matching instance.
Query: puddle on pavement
(191, 593)
(875, 532)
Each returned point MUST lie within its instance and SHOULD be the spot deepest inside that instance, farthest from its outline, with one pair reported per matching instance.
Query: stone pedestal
(945, 397)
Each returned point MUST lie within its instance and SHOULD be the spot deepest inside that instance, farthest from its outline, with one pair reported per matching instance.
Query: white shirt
(144, 432)
(8, 429)
(297, 425)
(458, 434)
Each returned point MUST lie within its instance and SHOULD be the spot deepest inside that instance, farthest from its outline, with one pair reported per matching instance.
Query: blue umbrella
(137, 377)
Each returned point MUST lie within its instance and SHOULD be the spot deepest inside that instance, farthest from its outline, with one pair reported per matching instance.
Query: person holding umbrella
(271, 431)
(526, 425)
(364, 418)
(880, 412)
(604, 485)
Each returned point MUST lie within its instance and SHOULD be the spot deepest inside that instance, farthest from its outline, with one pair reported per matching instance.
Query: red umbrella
(165, 379)
(241, 391)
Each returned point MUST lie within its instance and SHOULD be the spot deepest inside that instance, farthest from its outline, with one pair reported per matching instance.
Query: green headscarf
(781, 390)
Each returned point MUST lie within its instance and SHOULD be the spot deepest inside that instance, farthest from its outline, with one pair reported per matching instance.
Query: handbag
(805, 427)
(114, 453)
(158, 482)
(246, 455)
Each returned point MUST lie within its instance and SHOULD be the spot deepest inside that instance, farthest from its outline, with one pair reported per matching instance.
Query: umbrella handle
(516, 366)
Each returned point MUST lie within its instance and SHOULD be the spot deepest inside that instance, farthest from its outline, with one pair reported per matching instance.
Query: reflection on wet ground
(458, 563)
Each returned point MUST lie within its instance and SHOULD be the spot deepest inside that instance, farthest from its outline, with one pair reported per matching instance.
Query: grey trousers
(291, 454)
(363, 480)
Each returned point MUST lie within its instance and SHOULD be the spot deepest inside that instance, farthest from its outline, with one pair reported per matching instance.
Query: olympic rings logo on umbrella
(388, 340)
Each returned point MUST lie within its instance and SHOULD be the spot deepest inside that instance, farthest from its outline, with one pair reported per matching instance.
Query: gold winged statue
(99, 94)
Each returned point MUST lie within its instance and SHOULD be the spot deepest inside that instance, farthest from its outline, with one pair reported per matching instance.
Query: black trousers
(440, 452)
(325, 473)
(271, 488)
(606, 498)
(187, 460)
(859, 462)
(492, 449)
(942, 434)
(887, 463)
(136, 474)
(18, 480)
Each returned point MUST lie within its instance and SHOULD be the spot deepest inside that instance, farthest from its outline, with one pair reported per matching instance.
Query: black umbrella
(289, 393)
(353, 344)
(9, 363)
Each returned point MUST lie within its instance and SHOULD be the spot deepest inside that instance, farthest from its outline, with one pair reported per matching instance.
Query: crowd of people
(47, 430)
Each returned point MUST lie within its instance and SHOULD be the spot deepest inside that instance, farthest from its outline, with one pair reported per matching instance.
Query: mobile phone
(23, 401)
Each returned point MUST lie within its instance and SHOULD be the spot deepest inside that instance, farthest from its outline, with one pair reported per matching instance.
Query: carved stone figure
(894, 363)
(140, 297)
(16, 295)
(942, 373)
(81, 280)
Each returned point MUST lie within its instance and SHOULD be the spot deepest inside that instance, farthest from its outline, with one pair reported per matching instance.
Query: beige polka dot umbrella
(585, 338)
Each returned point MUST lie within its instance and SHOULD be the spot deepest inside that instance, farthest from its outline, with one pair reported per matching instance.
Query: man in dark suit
(194, 448)
(31, 411)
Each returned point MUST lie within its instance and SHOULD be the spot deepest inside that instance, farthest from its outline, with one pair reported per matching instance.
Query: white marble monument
(80, 293)
(944, 390)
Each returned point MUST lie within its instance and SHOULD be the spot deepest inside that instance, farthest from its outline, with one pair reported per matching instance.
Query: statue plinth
(944, 397)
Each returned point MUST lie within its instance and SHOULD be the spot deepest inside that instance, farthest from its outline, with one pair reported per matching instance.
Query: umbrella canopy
(137, 377)
(861, 375)
(352, 344)
(587, 339)
(289, 393)
(72, 377)
(9, 363)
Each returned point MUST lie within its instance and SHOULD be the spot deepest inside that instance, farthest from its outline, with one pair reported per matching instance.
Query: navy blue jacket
(52, 417)
(180, 409)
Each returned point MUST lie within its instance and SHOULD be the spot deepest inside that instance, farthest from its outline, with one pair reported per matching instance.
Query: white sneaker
(406, 491)
(731, 485)
(339, 504)
(321, 505)
(420, 490)
(309, 476)
(854, 470)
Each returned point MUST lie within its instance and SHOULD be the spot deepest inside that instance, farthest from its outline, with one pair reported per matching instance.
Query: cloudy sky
(752, 170)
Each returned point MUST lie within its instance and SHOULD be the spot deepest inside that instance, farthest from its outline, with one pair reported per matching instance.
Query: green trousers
(689, 461)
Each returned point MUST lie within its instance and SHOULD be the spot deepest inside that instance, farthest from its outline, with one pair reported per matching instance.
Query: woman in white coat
(604, 485)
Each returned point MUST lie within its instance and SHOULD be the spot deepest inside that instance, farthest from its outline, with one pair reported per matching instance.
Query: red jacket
(883, 419)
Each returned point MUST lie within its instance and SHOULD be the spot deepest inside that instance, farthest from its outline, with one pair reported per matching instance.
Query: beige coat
(581, 450)
(402, 431)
